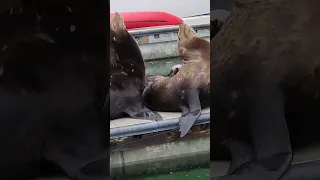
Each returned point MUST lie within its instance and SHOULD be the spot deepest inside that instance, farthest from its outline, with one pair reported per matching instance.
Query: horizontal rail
(152, 127)
(163, 29)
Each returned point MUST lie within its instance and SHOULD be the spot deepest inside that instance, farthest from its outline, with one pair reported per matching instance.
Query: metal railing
(164, 29)
(152, 127)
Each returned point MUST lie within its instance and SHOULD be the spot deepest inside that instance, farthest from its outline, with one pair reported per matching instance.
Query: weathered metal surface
(164, 45)
(161, 42)
(160, 51)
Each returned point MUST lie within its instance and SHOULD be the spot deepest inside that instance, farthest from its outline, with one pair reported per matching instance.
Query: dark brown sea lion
(127, 75)
(188, 90)
(265, 72)
(52, 88)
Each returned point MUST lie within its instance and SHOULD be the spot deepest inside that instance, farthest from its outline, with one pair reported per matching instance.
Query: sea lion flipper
(269, 135)
(241, 153)
(187, 120)
(184, 110)
(145, 113)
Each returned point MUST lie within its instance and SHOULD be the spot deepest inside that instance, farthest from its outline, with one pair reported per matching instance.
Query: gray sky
(180, 8)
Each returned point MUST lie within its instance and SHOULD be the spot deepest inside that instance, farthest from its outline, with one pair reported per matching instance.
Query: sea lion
(174, 70)
(50, 96)
(127, 75)
(265, 72)
(188, 90)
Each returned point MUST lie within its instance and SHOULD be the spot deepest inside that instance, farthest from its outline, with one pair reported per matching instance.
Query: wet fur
(278, 52)
(51, 97)
(165, 93)
(127, 73)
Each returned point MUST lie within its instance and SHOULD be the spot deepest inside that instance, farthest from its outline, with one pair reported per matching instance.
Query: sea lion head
(174, 70)
(127, 51)
(117, 27)
(191, 47)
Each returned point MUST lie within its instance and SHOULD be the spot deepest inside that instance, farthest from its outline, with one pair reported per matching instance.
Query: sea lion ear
(117, 23)
(186, 32)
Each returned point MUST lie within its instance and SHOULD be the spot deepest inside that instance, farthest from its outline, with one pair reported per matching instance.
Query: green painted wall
(161, 66)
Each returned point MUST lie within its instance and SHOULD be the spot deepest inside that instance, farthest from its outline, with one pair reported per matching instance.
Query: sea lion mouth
(185, 36)
(186, 32)
(117, 24)
(191, 47)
